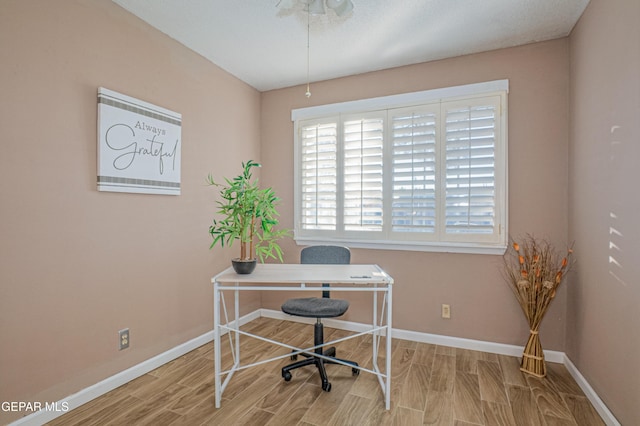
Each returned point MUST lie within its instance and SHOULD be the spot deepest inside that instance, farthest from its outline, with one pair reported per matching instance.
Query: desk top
(298, 273)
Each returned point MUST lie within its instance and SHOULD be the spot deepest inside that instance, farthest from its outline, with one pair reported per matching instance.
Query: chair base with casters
(318, 308)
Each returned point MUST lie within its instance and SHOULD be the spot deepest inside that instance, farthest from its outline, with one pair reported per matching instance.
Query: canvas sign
(138, 146)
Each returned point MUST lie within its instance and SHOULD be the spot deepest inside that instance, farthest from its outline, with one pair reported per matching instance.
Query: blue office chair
(319, 307)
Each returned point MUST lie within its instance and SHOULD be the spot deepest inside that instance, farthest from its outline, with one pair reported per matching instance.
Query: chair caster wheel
(287, 376)
(326, 387)
(355, 371)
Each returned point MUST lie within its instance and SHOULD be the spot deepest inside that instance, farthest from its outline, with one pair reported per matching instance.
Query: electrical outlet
(446, 311)
(124, 338)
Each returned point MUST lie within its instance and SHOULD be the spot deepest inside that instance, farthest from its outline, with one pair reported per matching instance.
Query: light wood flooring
(431, 385)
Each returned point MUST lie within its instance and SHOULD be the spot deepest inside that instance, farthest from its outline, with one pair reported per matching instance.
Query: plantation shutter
(413, 156)
(318, 170)
(470, 160)
(418, 171)
(363, 146)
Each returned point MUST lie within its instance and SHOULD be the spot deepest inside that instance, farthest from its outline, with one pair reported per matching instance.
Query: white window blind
(425, 175)
(318, 174)
(413, 157)
(362, 172)
(470, 141)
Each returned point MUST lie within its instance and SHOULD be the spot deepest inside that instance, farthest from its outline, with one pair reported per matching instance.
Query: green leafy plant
(248, 214)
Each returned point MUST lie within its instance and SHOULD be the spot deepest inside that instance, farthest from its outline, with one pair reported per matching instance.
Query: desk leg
(374, 336)
(216, 341)
(388, 370)
(236, 362)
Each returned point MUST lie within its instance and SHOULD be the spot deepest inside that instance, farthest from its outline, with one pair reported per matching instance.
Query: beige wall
(77, 265)
(604, 300)
(482, 305)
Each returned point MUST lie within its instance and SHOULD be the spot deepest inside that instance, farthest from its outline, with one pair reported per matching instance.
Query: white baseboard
(598, 404)
(94, 391)
(88, 394)
(476, 345)
(415, 336)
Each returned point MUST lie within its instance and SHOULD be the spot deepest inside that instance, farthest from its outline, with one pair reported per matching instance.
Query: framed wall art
(138, 145)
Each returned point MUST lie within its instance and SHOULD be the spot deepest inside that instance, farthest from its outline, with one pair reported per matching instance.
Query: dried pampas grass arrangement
(534, 270)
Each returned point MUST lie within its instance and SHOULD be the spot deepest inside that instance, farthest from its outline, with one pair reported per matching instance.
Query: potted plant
(249, 215)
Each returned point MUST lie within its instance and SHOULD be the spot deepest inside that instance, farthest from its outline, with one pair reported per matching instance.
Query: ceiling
(266, 46)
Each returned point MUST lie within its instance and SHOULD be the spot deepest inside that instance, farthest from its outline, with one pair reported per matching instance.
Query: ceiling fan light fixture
(340, 7)
(316, 7)
(286, 4)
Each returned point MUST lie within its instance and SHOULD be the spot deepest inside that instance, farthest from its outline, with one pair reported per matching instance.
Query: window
(420, 171)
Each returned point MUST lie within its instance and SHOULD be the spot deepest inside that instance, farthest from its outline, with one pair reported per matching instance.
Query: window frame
(382, 105)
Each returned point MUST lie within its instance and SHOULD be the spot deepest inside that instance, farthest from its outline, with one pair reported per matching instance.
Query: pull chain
(308, 93)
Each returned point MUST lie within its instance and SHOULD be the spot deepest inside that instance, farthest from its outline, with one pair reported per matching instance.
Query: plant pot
(244, 266)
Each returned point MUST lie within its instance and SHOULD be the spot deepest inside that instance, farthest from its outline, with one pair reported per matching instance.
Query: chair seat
(315, 307)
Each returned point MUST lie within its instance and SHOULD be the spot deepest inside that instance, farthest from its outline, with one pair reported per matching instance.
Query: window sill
(468, 248)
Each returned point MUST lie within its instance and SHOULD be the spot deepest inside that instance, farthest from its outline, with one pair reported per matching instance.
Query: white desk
(297, 277)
